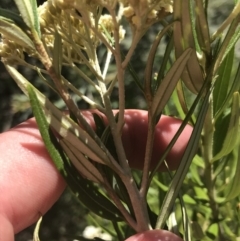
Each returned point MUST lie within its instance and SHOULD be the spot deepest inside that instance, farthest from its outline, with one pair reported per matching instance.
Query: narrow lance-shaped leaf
(228, 43)
(233, 186)
(86, 192)
(82, 164)
(168, 84)
(12, 32)
(232, 135)
(232, 42)
(29, 13)
(202, 29)
(165, 61)
(36, 17)
(234, 87)
(12, 17)
(77, 137)
(222, 83)
(184, 165)
(74, 134)
(65, 126)
(44, 126)
(89, 195)
(183, 30)
(26, 10)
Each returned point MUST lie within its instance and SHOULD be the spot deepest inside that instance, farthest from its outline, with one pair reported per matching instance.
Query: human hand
(30, 184)
(29, 181)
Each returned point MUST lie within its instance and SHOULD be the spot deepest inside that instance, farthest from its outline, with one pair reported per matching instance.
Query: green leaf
(166, 58)
(185, 163)
(222, 83)
(201, 194)
(26, 10)
(87, 193)
(66, 127)
(29, 13)
(189, 200)
(81, 162)
(202, 29)
(213, 231)
(232, 188)
(228, 43)
(151, 56)
(197, 231)
(12, 17)
(234, 87)
(91, 197)
(194, 170)
(36, 17)
(44, 126)
(184, 38)
(220, 132)
(168, 84)
(12, 32)
(232, 135)
(232, 42)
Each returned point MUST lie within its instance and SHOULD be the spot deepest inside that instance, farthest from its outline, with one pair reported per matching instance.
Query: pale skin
(29, 181)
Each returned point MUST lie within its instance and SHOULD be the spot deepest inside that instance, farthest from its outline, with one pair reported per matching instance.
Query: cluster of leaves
(198, 73)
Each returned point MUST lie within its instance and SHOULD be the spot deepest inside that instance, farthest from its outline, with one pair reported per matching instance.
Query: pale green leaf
(66, 127)
(201, 194)
(26, 10)
(234, 87)
(232, 135)
(163, 67)
(189, 200)
(221, 86)
(183, 31)
(202, 29)
(232, 42)
(87, 193)
(233, 186)
(197, 231)
(81, 162)
(12, 17)
(184, 165)
(12, 32)
(213, 231)
(168, 84)
(44, 126)
(36, 17)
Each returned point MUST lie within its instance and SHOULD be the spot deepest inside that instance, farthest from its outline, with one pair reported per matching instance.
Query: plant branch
(148, 155)
(129, 219)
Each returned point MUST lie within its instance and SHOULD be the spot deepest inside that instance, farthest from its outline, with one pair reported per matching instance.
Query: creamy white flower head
(143, 13)
(106, 23)
(77, 22)
(92, 232)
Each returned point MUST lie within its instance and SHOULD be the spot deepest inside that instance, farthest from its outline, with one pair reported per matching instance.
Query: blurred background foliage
(67, 216)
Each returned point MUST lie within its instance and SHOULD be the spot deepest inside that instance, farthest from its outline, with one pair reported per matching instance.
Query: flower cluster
(91, 232)
(144, 13)
(81, 31)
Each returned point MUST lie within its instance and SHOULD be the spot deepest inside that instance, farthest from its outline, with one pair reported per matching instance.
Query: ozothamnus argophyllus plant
(113, 159)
